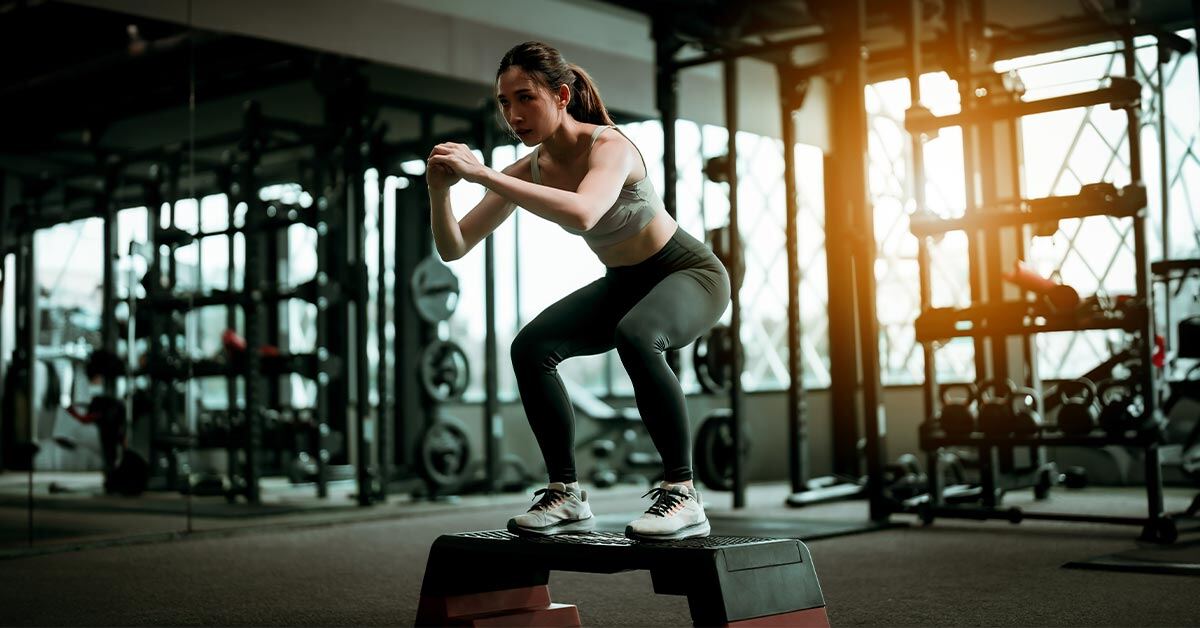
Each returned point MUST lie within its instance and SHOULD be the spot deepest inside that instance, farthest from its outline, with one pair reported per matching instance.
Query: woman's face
(532, 111)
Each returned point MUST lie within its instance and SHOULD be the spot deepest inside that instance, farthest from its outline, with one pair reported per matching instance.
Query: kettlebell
(958, 417)
(1118, 412)
(1077, 414)
(995, 407)
(1026, 417)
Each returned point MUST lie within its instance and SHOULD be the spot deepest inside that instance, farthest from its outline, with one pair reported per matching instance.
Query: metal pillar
(255, 273)
(353, 174)
(493, 423)
(384, 438)
(666, 96)
(858, 234)
(791, 97)
(929, 396)
(108, 252)
(730, 77)
(1141, 254)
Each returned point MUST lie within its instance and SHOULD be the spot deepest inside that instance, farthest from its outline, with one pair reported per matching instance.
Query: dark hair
(546, 65)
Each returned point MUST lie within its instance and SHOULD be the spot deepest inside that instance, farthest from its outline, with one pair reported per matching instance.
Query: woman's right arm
(455, 238)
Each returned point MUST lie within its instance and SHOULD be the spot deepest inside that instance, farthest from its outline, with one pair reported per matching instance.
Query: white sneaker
(561, 509)
(677, 513)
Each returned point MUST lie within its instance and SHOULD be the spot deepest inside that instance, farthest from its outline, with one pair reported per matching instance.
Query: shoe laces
(550, 496)
(664, 501)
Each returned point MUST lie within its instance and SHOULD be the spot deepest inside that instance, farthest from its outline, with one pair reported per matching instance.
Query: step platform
(495, 578)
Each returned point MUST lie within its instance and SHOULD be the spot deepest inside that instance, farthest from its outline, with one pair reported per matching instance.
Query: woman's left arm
(609, 165)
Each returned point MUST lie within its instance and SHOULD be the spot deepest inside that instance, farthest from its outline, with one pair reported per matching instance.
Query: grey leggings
(664, 302)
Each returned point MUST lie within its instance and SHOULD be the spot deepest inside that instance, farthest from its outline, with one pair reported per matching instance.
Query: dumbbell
(1026, 417)
(1077, 414)
(603, 475)
(956, 416)
(995, 407)
(1119, 411)
(904, 478)
(953, 471)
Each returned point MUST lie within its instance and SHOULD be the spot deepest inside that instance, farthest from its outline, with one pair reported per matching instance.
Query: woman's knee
(637, 335)
(528, 350)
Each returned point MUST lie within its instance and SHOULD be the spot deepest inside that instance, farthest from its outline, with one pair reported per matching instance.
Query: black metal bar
(864, 250)
(1039, 37)
(1047, 439)
(1017, 318)
(1130, 202)
(386, 408)
(1016, 515)
(1119, 93)
(666, 95)
(798, 463)
(338, 341)
(783, 45)
(840, 180)
(4, 279)
(928, 397)
(1021, 236)
(1196, 35)
(353, 175)
(960, 68)
(1164, 268)
(730, 80)
(108, 327)
(24, 349)
(493, 426)
(255, 332)
(1145, 349)
(843, 363)
(327, 215)
(1164, 183)
(992, 266)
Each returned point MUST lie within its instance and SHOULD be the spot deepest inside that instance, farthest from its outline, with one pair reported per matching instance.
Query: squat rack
(850, 241)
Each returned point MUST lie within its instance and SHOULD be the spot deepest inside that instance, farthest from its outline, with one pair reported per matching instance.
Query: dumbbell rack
(990, 324)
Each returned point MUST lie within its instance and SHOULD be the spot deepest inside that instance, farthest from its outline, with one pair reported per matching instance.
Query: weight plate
(713, 451)
(434, 290)
(712, 359)
(445, 371)
(445, 452)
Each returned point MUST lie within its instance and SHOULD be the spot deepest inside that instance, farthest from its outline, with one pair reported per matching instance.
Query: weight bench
(495, 578)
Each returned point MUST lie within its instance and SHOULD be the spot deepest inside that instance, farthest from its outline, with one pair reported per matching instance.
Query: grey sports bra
(636, 205)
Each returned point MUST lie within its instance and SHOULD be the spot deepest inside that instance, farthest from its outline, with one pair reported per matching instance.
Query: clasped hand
(449, 162)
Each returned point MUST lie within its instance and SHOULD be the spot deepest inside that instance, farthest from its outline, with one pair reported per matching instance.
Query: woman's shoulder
(521, 168)
(612, 143)
(609, 136)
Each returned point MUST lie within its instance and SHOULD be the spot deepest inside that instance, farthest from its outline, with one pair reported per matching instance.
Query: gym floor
(350, 566)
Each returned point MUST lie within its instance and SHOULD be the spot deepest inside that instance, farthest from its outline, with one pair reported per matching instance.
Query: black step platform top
(724, 577)
(620, 540)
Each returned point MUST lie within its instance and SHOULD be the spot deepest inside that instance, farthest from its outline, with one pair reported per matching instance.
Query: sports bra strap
(533, 166)
(600, 129)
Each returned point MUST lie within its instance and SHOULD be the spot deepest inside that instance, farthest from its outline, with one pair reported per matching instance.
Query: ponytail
(586, 105)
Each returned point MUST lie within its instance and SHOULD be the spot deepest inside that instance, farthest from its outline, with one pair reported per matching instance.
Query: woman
(661, 290)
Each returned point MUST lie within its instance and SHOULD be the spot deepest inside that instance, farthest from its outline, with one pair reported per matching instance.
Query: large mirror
(97, 131)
